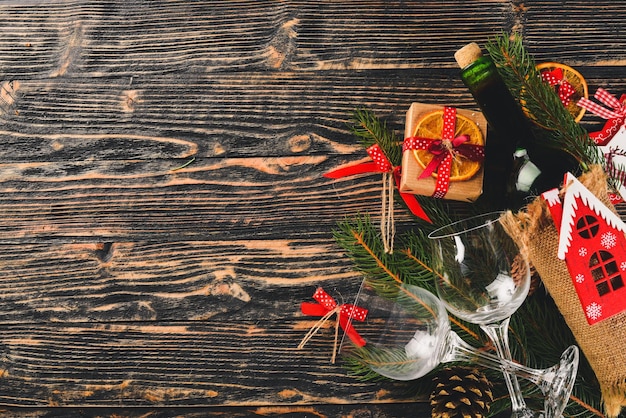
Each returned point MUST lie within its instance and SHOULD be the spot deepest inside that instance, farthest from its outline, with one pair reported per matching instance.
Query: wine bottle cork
(468, 54)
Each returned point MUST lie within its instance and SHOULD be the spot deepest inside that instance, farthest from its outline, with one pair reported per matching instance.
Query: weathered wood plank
(66, 38)
(403, 409)
(161, 281)
(578, 32)
(252, 114)
(51, 39)
(211, 199)
(254, 363)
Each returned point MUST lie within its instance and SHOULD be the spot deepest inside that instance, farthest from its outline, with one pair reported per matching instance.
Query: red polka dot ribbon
(380, 159)
(326, 306)
(444, 151)
(381, 164)
(564, 89)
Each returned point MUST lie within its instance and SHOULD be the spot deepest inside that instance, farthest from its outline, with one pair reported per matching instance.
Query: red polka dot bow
(444, 151)
(326, 307)
(381, 164)
(555, 79)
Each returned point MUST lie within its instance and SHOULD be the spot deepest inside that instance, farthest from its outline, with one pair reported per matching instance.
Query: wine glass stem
(499, 335)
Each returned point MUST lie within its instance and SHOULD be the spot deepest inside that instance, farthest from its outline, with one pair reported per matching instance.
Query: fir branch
(361, 242)
(370, 130)
(616, 173)
(519, 72)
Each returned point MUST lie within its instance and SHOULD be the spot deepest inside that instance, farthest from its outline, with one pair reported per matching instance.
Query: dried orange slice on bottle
(575, 79)
(431, 126)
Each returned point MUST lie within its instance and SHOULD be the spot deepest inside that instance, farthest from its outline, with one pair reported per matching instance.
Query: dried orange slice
(576, 80)
(431, 126)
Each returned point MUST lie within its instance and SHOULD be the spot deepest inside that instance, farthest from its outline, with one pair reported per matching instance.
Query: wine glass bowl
(481, 276)
(408, 335)
(413, 338)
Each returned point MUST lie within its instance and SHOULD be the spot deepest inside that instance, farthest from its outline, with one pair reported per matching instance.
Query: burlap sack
(604, 343)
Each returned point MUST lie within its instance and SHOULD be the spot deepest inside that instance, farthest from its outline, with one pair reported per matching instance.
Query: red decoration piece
(555, 78)
(381, 164)
(326, 307)
(444, 150)
(616, 115)
(592, 242)
(345, 313)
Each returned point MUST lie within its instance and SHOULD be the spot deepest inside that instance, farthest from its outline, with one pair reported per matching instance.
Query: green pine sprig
(361, 241)
(370, 130)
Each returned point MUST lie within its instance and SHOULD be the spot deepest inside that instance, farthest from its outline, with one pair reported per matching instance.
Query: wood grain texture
(181, 363)
(159, 281)
(581, 33)
(365, 410)
(61, 39)
(234, 115)
(129, 287)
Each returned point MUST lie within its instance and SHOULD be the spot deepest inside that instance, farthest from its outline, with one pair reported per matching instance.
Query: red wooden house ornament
(592, 242)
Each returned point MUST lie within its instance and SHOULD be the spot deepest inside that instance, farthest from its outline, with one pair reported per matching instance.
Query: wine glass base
(559, 387)
(527, 413)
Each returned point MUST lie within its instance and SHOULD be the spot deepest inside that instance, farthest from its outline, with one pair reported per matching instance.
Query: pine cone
(461, 392)
(535, 280)
(518, 270)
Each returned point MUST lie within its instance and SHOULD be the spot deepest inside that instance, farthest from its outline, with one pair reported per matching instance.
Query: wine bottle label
(527, 175)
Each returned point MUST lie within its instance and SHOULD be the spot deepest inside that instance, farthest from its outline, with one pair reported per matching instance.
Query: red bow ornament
(380, 164)
(615, 113)
(326, 307)
(555, 79)
(444, 151)
(391, 178)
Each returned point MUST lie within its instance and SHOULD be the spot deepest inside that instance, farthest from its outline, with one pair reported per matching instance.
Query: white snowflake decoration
(594, 311)
(622, 266)
(582, 251)
(580, 278)
(608, 240)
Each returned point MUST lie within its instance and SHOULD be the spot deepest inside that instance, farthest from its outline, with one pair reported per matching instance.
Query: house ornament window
(587, 226)
(605, 272)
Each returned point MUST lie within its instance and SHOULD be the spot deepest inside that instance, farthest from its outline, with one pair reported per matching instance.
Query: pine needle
(370, 130)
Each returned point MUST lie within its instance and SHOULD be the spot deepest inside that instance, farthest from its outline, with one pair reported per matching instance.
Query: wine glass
(482, 278)
(408, 335)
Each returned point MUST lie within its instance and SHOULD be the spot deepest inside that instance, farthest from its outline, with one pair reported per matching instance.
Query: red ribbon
(555, 78)
(380, 164)
(444, 150)
(345, 313)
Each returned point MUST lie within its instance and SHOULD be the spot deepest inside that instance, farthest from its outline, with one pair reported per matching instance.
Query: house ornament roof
(574, 193)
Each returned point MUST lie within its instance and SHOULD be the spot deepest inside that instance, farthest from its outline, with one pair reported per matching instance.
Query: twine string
(387, 219)
(318, 325)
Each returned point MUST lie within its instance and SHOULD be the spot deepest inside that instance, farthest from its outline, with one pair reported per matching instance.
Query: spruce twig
(370, 130)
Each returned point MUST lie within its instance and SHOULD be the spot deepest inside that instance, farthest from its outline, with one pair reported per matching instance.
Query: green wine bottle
(518, 166)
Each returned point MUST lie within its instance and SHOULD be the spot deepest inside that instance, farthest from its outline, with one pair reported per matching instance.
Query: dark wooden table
(132, 287)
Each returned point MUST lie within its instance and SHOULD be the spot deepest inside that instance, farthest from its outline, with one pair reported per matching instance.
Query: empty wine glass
(482, 278)
(409, 335)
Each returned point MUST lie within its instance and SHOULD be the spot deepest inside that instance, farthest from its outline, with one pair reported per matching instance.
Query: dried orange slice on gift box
(568, 83)
(431, 126)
